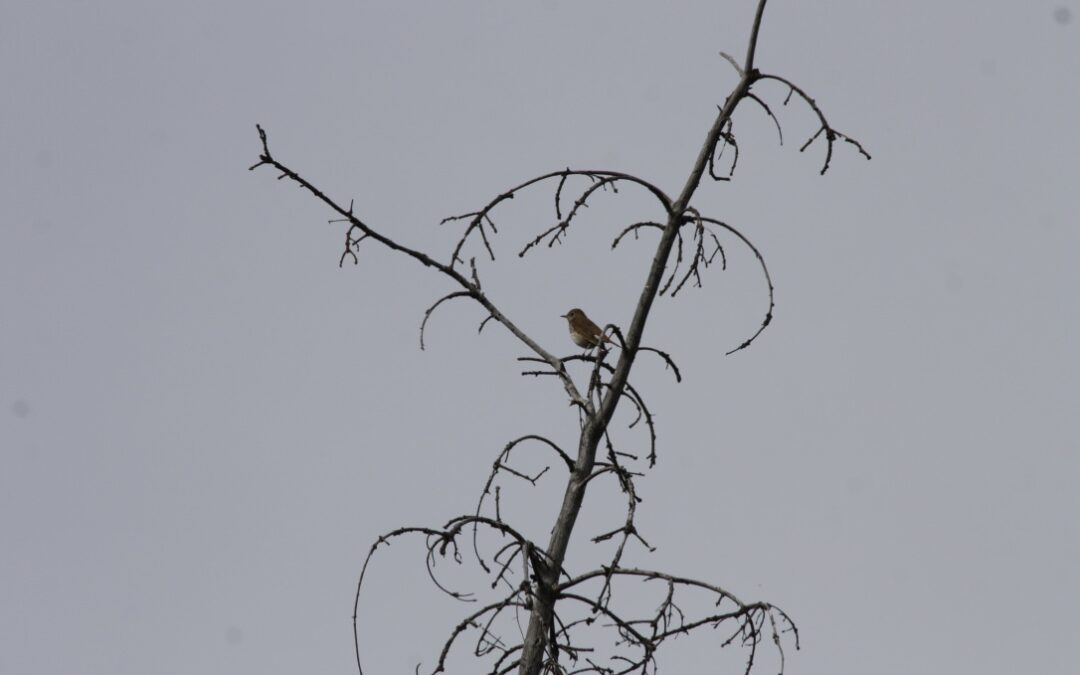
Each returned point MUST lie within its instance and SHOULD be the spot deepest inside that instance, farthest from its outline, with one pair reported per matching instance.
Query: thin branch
(556, 231)
(427, 313)
(734, 64)
(266, 159)
(668, 361)
(768, 111)
(500, 464)
(633, 229)
(768, 281)
(830, 133)
(728, 137)
(478, 218)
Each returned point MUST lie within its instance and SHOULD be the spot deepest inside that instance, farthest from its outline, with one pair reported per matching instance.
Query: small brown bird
(583, 331)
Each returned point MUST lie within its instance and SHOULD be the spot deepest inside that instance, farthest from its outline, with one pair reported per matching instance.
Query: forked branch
(471, 287)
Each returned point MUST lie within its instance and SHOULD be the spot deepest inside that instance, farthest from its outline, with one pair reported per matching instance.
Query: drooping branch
(768, 111)
(443, 541)
(633, 229)
(502, 465)
(428, 312)
(669, 620)
(728, 137)
(831, 134)
(768, 281)
(478, 219)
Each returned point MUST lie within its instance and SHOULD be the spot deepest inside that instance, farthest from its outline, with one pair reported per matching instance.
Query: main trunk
(538, 635)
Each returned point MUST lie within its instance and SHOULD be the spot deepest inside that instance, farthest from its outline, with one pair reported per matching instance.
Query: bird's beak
(562, 316)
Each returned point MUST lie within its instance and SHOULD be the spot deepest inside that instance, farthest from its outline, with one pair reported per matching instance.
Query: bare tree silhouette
(565, 607)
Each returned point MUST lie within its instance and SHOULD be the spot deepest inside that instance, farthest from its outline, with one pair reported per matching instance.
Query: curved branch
(830, 134)
(478, 218)
(470, 622)
(768, 111)
(728, 137)
(500, 465)
(669, 620)
(668, 362)
(633, 229)
(439, 541)
(700, 258)
(427, 313)
(768, 280)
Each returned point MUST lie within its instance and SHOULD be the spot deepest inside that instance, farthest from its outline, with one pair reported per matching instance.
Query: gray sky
(204, 423)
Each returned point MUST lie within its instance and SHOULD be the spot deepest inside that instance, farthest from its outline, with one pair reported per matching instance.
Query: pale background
(204, 423)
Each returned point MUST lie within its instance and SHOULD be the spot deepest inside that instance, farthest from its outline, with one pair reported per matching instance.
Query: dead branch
(831, 134)
(471, 287)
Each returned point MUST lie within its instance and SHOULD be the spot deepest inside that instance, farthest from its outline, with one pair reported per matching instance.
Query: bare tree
(563, 605)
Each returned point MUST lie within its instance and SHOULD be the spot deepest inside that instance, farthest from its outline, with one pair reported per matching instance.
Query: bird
(583, 331)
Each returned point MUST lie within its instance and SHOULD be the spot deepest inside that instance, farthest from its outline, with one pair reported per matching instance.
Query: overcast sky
(205, 423)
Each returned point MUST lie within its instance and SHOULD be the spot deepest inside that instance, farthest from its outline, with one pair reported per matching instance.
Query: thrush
(583, 331)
